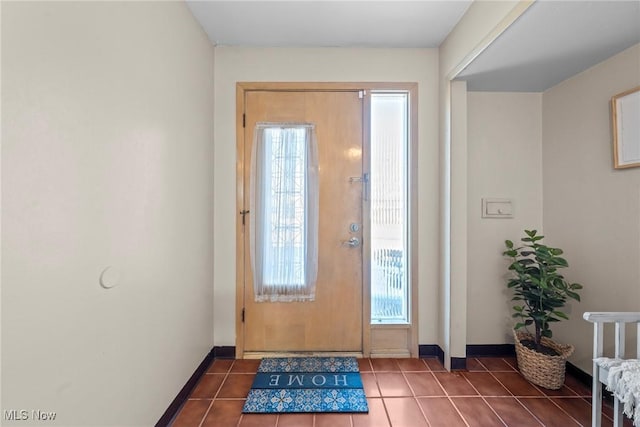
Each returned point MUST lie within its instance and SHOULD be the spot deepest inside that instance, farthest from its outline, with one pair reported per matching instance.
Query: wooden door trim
(240, 250)
(241, 89)
(322, 86)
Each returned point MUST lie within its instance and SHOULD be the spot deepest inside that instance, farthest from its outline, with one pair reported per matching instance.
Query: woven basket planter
(540, 369)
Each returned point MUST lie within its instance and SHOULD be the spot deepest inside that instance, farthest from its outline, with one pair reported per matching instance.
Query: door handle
(364, 179)
(353, 242)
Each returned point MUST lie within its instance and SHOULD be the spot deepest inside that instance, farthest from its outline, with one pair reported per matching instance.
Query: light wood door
(333, 322)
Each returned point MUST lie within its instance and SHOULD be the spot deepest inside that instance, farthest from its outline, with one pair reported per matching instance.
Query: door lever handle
(353, 242)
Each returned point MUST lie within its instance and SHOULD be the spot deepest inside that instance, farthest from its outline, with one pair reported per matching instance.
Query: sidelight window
(389, 207)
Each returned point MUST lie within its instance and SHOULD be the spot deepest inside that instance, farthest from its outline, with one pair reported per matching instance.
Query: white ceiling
(550, 42)
(328, 23)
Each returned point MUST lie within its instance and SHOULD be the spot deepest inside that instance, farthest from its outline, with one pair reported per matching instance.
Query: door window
(285, 196)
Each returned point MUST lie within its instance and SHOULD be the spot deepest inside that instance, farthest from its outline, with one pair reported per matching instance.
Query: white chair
(600, 374)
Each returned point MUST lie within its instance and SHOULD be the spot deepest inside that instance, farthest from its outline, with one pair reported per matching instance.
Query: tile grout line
(375, 378)
(550, 399)
(226, 376)
(422, 411)
(453, 405)
(570, 416)
(497, 379)
(513, 395)
(382, 398)
(577, 392)
(243, 372)
(204, 416)
(484, 400)
(527, 409)
(386, 411)
(415, 399)
(217, 391)
(554, 403)
(384, 406)
(464, 420)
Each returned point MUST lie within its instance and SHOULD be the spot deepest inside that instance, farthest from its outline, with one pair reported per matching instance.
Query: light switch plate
(497, 208)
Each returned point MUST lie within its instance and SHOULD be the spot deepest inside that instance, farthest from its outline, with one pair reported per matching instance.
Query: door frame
(402, 336)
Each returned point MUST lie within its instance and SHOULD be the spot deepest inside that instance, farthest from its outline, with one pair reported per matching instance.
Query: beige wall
(591, 210)
(107, 160)
(504, 161)
(235, 64)
(457, 293)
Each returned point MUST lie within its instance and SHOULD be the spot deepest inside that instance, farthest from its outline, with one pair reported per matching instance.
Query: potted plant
(540, 292)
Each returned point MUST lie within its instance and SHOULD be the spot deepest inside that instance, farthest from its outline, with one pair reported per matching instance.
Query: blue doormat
(306, 384)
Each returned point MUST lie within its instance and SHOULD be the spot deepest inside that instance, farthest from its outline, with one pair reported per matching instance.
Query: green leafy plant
(538, 285)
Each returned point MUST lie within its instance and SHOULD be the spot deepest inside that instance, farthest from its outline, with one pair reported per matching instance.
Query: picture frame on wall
(625, 115)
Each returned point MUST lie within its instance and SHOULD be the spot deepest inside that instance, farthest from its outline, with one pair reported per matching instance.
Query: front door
(333, 321)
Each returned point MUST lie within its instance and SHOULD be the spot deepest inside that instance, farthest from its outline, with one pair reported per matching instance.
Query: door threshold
(263, 354)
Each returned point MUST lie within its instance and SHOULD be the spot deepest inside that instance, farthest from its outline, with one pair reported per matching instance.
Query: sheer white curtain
(284, 207)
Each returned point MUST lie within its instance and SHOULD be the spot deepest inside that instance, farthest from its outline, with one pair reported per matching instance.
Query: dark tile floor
(404, 392)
